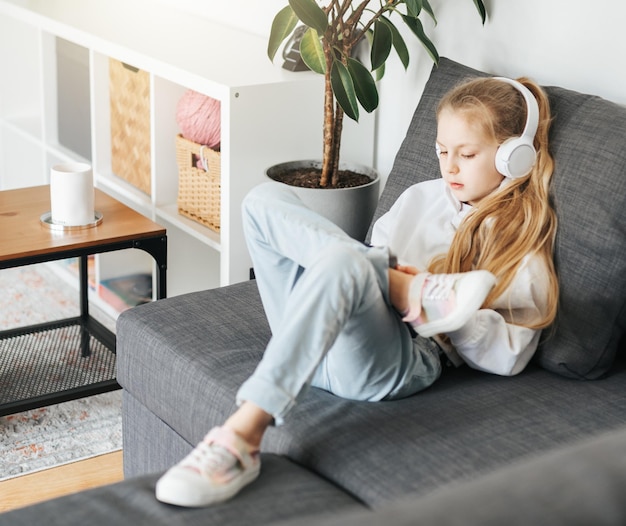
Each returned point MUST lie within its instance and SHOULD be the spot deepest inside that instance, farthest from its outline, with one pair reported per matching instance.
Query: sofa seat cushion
(466, 425)
(287, 491)
(589, 193)
(187, 371)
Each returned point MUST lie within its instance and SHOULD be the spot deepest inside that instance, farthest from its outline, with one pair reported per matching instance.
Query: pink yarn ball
(198, 117)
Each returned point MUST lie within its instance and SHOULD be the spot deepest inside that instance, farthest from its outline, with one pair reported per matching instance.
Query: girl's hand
(399, 281)
(408, 269)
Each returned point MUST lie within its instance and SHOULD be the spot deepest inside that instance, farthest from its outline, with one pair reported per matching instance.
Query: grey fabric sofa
(545, 447)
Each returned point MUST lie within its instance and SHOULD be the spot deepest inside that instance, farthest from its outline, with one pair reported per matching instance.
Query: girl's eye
(468, 155)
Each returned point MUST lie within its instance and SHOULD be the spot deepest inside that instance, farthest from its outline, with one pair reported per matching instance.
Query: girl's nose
(450, 165)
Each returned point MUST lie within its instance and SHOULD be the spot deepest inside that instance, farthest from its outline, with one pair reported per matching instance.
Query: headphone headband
(532, 108)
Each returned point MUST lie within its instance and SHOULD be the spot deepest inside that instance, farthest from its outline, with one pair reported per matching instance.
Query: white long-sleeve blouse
(421, 225)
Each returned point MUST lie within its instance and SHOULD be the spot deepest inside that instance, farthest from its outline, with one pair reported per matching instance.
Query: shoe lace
(211, 458)
(438, 287)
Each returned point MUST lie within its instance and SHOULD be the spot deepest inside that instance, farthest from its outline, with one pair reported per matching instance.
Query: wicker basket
(129, 91)
(198, 189)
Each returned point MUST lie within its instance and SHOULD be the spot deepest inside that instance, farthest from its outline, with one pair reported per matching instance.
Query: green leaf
(416, 26)
(379, 73)
(343, 89)
(364, 85)
(283, 25)
(413, 7)
(312, 52)
(381, 44)
(310, 14)
(481, 10)
(429, 10)
(398, 42)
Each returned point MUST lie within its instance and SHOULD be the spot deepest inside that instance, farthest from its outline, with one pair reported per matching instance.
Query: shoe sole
(174, 494)
(477, 290)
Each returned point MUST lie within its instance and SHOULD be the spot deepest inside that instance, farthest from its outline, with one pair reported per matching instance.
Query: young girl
(474, 278)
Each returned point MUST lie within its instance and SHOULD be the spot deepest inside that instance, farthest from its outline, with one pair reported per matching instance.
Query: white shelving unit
(54, 106)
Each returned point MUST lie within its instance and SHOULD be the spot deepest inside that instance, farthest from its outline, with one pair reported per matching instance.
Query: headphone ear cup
(515, 157)
(438, 151)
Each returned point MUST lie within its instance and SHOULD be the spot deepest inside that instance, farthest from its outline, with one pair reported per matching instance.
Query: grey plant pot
(352, 209)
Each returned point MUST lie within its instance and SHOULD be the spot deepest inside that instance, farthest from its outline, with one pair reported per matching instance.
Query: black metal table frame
(155, 246)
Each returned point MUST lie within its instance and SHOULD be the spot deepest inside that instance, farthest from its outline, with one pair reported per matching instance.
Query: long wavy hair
(518, 219)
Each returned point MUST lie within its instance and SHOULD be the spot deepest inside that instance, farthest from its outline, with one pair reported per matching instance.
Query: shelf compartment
(23, 159)
(129, 92)
(125, 292)
(192, 264)
(73, 116)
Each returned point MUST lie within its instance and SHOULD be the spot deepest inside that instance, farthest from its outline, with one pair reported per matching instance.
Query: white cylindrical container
(71, 194)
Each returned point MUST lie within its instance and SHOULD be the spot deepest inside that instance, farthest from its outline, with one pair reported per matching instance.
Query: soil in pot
(309, 177)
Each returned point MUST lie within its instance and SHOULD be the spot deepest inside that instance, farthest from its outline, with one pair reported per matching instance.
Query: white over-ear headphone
(516, 156)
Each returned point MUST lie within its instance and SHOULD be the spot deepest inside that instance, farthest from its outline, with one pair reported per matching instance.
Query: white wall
(576, 44)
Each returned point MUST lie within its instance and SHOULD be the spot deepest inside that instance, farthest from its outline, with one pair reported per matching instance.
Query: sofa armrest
(579, 485)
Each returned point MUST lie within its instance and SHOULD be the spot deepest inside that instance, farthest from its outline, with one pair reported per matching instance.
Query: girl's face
(467, 160)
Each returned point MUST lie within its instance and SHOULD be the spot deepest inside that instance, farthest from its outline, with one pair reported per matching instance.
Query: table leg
(157, 248)
(84, 305)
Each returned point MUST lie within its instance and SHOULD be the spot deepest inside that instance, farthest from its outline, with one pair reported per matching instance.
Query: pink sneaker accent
(216, 470)
(442, 303)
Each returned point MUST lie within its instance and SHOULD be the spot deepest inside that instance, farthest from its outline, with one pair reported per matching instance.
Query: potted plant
(331, 34)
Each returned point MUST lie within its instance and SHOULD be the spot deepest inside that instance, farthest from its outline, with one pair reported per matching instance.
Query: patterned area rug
(59, 434)
(62, 433)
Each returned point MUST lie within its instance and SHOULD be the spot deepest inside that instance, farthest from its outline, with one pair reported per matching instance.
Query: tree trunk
(329, 124)
(337, 129)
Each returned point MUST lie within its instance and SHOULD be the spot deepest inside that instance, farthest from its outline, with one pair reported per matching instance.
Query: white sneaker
(213, 472)
(442, 303)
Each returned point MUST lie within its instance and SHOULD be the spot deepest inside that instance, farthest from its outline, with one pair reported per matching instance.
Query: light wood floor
(63, 480)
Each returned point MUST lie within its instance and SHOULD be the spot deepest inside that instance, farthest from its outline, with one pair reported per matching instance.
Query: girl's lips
(456, 186)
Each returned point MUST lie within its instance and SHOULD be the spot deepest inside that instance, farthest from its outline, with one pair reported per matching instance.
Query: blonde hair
(518, 219)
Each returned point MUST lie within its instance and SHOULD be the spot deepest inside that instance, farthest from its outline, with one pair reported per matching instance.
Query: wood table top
(23, 235)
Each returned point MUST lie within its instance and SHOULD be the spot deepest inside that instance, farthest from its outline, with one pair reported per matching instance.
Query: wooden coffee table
(85, 364)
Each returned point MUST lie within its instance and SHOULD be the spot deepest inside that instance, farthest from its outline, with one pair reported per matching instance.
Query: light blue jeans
(326, 299)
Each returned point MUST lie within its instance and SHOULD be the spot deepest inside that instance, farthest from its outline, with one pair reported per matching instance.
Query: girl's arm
(400, 279)
(488, 343)
(496, 340)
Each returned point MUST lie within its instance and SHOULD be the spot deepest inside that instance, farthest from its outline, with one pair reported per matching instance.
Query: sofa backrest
(588, 142)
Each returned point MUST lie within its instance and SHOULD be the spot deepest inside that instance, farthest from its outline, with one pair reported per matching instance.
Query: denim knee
(268, 192)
